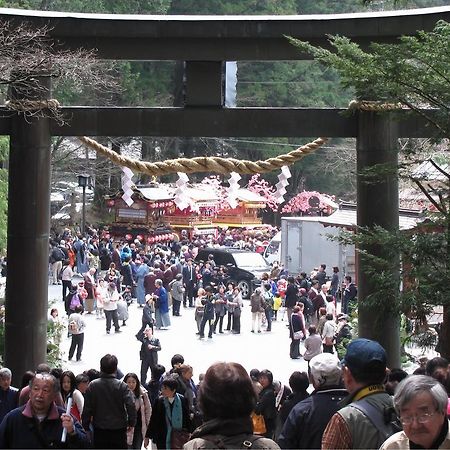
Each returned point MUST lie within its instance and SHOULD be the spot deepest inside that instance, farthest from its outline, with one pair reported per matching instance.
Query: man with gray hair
(306, 422)
(40, 423)
(9, 396)
(421, 403)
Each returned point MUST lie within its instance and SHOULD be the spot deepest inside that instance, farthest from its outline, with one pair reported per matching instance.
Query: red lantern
(151, 240)
(128, 237)
(139, 237)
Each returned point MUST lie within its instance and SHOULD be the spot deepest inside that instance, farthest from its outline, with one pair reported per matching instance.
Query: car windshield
(254, 260)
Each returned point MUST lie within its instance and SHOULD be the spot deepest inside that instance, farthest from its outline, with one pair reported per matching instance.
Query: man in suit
(349, 294)
(149, 353)
(189, 283)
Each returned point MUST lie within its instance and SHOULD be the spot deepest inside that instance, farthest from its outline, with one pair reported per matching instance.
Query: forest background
(330, 170)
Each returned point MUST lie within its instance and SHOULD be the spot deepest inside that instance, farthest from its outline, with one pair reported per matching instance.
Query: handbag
(297, 335)
(178, 438)
(259, 424)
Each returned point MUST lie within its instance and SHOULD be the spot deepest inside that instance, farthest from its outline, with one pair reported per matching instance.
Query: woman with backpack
(72, 300)
(76, 329)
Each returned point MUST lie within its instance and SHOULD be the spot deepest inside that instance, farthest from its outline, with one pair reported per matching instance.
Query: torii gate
(204, 43)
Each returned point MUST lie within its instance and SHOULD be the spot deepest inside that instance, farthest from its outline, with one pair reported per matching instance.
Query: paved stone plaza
(267, 350)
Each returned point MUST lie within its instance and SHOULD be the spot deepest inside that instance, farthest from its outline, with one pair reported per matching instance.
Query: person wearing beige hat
(308, 419)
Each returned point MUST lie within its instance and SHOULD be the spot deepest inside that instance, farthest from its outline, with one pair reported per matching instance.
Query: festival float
(157, 210)
(143, 217)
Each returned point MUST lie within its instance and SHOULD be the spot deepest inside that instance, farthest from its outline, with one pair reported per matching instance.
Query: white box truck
(305, 245)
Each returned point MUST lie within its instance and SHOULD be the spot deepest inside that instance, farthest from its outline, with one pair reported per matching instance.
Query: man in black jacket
(149, 353)
(349, 294)
(306, 422)
(109, 406)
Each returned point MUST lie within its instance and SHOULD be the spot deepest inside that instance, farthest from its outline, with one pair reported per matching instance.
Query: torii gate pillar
(28, 241)
(377, 199)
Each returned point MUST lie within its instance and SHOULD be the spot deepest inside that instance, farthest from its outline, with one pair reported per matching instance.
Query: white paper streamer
(282, 183)
(69, 407)
(232, 189)
(181, 199)
(127, 183)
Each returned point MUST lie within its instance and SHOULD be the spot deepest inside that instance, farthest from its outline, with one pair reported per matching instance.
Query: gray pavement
(267, 350)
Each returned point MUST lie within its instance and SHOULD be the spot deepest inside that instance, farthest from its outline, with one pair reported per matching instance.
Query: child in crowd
(277, 302)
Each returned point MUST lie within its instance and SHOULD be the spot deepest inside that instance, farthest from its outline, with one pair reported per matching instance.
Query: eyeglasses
(422, 418)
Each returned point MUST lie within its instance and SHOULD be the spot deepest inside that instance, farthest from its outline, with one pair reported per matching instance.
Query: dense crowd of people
(355, 403)
(163, 277)
(348, 398)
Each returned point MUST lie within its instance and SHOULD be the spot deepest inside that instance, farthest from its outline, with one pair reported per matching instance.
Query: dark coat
(208, 302)
(308, 419)
(266, 407)
(150, 355)
(147, 316)
(189, 280)
(108, 404)
(291, 295)
(157, 428)
(127, 274)
(350, 292)
(9, 400)
(230, 433)
(297, 324)
(149, 283)
(18, 430)
(321, 277)
(289, 404)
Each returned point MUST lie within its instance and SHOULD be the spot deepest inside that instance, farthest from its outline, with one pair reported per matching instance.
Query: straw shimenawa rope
(370, 105)
(25, 105)
(207, 163)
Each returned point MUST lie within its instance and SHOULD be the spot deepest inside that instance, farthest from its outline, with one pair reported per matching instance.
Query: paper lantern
(139, 237)
(128, 237)
(151, 240)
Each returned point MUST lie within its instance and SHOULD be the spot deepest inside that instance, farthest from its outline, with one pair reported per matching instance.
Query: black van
(244, 268)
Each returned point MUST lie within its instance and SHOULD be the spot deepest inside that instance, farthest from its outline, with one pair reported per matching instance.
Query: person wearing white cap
(308, 419)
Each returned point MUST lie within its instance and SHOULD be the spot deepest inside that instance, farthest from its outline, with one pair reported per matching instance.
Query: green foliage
(327, 7)
(2, 333)
(217, 7)
(94, 6)
(55, 332)
(415, 71)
